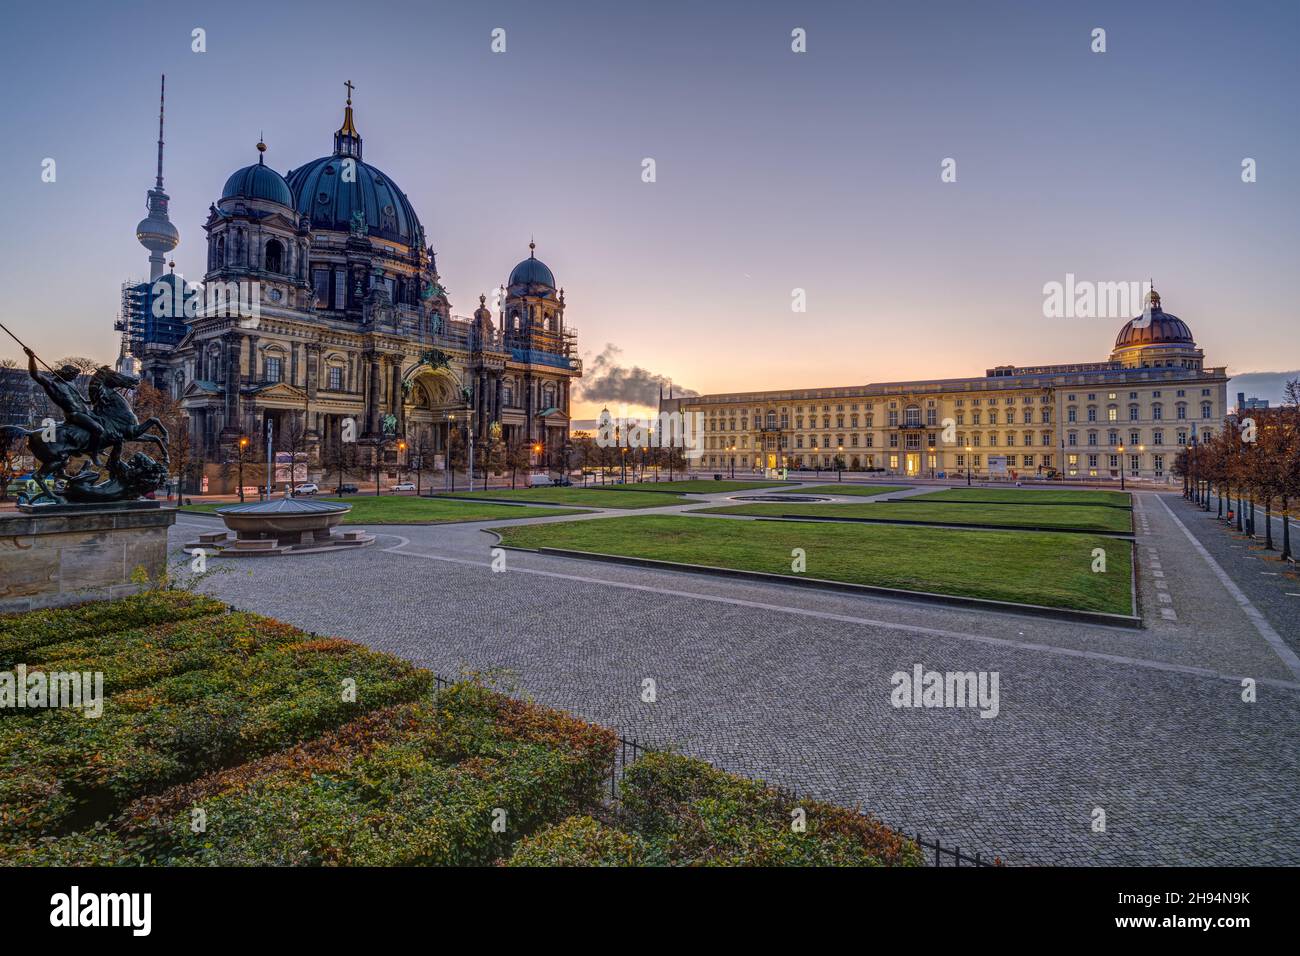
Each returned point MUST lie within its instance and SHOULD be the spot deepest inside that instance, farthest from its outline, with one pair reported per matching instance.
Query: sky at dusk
(775, 170)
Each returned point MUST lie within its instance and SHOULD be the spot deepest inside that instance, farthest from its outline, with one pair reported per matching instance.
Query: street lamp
(968, 466)
(839, 464)
(401, 450)
(623, 463)
(243, 444)
(1121, 466)
(451, 465)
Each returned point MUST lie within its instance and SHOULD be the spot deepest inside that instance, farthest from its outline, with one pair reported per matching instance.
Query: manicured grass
(586, 497)
(1049, 569)
(1049, 496)
(408, 509)
(702, 486)
(989, 515)
(846, 489)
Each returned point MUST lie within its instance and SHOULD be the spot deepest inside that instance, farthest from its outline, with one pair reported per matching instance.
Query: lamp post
(243, 445)
(401, 450)
(623, 463)
(1120, 448)
(968, 466)
(731, 456)
(839, 464)
(451, 464)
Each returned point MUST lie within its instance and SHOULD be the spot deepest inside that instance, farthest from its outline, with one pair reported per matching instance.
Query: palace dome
(532, 271)
(1159, 328)
(258, 181)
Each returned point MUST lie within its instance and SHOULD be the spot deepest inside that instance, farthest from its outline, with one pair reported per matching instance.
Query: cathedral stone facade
(354, 337)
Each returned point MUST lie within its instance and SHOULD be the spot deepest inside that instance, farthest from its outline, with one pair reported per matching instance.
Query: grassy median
(1031, 496)
(408, 509)
(1050, 569)
(1087, 518)
(584, 497)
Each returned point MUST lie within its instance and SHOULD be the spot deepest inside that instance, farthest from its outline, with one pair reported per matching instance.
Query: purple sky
(775, 170)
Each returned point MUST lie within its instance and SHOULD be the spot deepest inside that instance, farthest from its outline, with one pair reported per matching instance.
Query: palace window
(336, 378)
(1157, 437)
(1205, 409)
(274, 369)
(1132, 413)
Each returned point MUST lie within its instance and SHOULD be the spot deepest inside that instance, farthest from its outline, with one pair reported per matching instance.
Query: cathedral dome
(258, 181)
(367, 196)
(1157, 328)
(332, 203)
(532, 271)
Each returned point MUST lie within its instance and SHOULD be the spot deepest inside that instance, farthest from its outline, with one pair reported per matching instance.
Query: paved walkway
(794, 685)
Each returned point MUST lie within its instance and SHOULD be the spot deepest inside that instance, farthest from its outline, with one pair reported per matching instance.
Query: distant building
(1245, 404)
(1091, 419)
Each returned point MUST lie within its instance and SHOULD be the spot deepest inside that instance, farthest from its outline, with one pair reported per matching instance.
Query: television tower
(155, 231)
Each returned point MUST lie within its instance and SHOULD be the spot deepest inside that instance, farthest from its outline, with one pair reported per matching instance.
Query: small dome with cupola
(532, 271)
(258, 181)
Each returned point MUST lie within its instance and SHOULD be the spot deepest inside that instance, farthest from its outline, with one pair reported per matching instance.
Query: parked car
(403, 486)
(564, 481)
(306, 488)
(346, 489)
(540, 481)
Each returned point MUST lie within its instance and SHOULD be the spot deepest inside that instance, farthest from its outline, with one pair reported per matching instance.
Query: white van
(540, 481)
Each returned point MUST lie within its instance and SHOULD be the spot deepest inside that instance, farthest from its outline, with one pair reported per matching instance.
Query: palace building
(1130, 413)
(354, 334)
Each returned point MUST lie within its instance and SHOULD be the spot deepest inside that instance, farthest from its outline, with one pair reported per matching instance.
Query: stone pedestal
(67, 554)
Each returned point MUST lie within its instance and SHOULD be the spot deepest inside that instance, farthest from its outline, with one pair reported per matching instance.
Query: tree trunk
(1268, 523)
(1286, 530)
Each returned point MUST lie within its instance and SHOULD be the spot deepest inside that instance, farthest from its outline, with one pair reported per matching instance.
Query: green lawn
(842, 489)
(1085, 518)
(585, 497)
(1048, 569)
(1052, 496)
(404, 509)
(701, 486)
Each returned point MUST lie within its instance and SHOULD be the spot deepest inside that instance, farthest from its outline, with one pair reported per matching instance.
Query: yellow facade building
(1131, 413)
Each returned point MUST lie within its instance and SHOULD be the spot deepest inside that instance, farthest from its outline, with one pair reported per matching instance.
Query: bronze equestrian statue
(104, 421)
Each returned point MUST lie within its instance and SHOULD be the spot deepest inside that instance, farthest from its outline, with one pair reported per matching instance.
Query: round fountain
(281, 526)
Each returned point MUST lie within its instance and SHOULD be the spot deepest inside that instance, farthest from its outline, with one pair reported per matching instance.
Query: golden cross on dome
(350, 87)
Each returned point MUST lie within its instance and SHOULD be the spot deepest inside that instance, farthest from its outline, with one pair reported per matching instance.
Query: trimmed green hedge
(240, 723)
(580, 841)
(267, 688)
(692, 814)
(21, 633)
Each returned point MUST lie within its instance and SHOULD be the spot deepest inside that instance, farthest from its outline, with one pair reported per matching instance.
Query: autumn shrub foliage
(232, 739)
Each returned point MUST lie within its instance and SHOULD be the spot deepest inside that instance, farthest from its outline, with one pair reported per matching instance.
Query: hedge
(268, 688)
(690, 813)
(244, 718)
(580, 841)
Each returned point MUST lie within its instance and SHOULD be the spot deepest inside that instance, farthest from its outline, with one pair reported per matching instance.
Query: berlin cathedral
(354, 336)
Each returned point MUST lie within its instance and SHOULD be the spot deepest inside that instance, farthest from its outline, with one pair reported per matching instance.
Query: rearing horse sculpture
(114, 415)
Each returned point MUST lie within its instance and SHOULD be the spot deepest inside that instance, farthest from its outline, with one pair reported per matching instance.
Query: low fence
(936, 854)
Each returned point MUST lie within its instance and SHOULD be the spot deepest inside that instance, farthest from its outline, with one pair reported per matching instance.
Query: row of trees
(1253, 460)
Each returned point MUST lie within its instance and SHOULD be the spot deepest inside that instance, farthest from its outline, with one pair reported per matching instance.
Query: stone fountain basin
(290, 521)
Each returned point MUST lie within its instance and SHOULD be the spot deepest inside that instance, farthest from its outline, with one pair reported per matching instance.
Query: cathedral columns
(373, 401)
